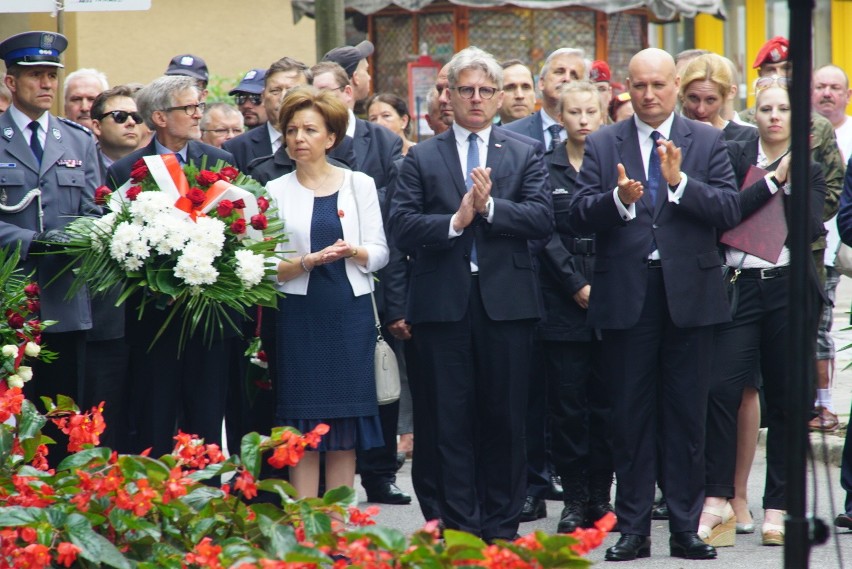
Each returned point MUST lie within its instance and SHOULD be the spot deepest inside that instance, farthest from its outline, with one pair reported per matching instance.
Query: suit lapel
(450, 154)
(54, 146)
(495, 153)
(17, 146)
(361, 143)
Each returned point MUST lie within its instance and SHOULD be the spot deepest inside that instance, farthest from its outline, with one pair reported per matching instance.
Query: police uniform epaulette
(69, 122)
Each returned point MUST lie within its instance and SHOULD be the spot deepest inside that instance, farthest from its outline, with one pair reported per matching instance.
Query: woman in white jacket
(325, 334)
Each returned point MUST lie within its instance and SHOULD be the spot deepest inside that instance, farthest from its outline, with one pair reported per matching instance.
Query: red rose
(196, 196)
(262, 204)
(15, 320)
(239, 204)
(206, 178)
(35, 326)
(139, 171)
(224, 208)
(261, 355)
(238, 227)
(33, 305)
(259, 222)
(101, 195)
(32, 290)
(133, 192)
(229, 173)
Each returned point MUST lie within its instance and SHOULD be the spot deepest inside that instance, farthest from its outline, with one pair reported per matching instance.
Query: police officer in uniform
(48, 175)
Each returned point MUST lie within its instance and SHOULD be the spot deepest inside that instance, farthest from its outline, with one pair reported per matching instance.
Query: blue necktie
(180, 159)
(35, 145)
(472, 162)
(555, 130)
(654, 172)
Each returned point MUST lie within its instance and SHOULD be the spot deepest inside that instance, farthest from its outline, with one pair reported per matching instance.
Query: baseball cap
(348, 57)
(189, 65)
(252, 82)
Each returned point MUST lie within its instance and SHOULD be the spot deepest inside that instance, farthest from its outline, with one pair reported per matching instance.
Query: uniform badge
(57, 134)
(70, 163)
(47, 41)
(186, 60)
(250, 75)
(8, 132)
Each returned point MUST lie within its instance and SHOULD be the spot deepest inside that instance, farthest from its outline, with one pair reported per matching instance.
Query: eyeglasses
(190, 110)
(247, 98)
(120, 117)
(467, 92)
(767, 82)
(341, 89)
(223, 131)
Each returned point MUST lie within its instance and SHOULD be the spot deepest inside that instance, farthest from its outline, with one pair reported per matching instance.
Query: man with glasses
(39, 151)
(221, 122)
(247, 96)
(281, 76)
(466, 204)
(562, 66)
(115, 123)
(168, 390)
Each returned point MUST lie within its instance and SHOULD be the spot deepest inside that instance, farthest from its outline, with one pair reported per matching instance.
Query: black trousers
(846, 472)
(171, 391)
(758, 335)
(659, 376)
(424, 461)
(579, 407)
(106, 373)
(475, 380)
(538, 427)
(63, 376)
(377, 466)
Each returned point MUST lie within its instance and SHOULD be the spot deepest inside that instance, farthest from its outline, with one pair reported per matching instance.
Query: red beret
(600, 72)
(773, 51)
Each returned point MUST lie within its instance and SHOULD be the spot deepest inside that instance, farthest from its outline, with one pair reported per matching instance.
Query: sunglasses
(243, 99)
(774, 80)
(120, 117)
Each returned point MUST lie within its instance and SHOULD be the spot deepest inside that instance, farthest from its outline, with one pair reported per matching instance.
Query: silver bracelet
(304, 266)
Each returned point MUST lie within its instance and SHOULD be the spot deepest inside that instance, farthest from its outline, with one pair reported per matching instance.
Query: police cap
(252, 82)
(189, 65)
(33, 48)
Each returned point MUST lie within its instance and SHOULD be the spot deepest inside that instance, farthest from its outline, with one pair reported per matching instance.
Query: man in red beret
(601, 76)
(772, 57)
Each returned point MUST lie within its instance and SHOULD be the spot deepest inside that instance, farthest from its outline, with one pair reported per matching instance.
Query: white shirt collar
(645, 129)
(462, 134)
(22, 121)
(546, 120)
(274, 134)
(163, 150)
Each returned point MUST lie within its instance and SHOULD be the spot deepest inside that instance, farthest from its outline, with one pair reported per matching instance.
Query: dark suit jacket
(429, 190)
(248, 146)
(685, 233)
(375, 148)
(528, 126)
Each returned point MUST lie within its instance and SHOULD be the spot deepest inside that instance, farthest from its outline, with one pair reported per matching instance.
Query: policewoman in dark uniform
(577, 399)
(48, 175)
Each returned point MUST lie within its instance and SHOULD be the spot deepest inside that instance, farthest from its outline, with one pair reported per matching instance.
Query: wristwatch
(774, 180)
(354, 252)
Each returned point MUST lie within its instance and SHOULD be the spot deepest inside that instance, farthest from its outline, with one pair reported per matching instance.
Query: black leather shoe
(661, 510)
(400, 460)
(570, 519)
(629, 547)
(389, 494)
(534, 509)
(843, 521)
(688, 545)
(555, 490)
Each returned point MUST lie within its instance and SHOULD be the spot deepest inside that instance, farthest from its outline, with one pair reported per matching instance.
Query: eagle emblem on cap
(47, 41)
(775, 55)
(250, 75)
(594, 74)
(186, 60)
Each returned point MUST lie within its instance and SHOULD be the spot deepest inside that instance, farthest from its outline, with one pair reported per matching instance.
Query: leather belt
(765, 274)
(655, 264)
(581, 246)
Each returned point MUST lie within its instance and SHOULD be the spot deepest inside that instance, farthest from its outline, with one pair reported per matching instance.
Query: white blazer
(295, 205)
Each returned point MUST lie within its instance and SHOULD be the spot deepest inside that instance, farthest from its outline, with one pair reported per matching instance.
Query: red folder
(764, 232)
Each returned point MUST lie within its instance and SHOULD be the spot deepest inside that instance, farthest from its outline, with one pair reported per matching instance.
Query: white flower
(10, 351)
(32, 349)
(15, 381)
(195, 265)
(125, 234)
(25, 373)
(250, 267)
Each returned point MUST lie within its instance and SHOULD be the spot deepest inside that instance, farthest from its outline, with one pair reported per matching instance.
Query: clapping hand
(670, 161)
(629, 190)
(481, 188)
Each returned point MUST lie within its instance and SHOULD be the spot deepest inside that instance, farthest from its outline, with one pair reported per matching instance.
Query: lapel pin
(8, 132)
(56, 134)
(496, 145)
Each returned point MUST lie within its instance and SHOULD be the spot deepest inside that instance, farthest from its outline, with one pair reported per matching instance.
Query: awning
(663, 9)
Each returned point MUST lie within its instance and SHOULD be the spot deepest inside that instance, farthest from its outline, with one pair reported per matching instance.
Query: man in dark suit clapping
(656, 190)
(466, 204)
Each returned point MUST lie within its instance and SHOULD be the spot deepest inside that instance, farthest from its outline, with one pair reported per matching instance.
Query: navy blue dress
(326, 341)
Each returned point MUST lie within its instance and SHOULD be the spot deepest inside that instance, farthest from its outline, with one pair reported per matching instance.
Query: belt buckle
(767, 273)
